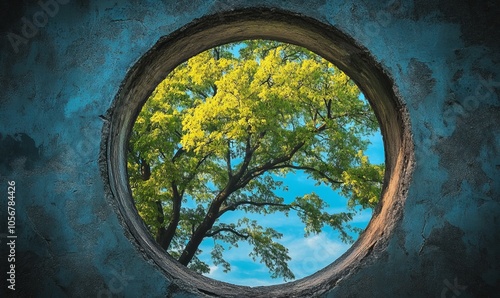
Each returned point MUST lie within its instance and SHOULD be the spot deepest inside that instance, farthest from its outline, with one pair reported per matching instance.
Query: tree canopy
(218, 132)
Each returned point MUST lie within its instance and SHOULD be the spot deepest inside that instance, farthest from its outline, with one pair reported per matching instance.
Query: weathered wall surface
(62, 63)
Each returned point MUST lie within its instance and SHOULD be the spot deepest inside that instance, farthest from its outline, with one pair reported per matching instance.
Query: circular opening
(324, 40)
(273, 138)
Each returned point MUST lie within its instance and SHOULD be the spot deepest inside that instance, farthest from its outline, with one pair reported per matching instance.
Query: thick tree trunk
(165, 235)
(201, 231)
(145, 169)
(162, 238)
(213, 211)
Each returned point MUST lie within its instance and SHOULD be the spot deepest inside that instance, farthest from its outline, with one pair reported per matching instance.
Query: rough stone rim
(264, 23)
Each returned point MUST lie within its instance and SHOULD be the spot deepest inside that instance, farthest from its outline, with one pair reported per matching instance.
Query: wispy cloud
(313, 253)
(308, 256)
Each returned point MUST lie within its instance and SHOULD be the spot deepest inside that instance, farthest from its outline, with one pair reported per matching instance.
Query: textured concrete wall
(63, 62)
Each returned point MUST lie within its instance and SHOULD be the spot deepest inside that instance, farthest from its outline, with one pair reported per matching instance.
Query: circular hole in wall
(272, 139)
(234, 26)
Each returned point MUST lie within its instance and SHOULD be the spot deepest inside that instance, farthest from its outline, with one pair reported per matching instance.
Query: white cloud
(308, 256)
(213, 270)
(313, 253)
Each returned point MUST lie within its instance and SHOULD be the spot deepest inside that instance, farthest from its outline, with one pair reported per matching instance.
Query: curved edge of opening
(260, 23)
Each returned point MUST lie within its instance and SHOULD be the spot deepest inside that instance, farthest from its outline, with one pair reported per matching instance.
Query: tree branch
(165, 235)
(226, 229)
(179, 152)
(329, 108)
(214, 89)
(268, 165)
(193, 174)
(217, 53)
(160, 218)
(249, 150)
(162, 154)
(306, 168)
(198, 92)
(228, 160)
(144, 167)
(235, 205)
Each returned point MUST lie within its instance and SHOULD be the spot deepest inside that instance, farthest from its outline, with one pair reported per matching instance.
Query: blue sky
(308, 254)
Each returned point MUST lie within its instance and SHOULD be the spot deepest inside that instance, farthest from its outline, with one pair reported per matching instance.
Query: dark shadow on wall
(11, 12)
(18, 148)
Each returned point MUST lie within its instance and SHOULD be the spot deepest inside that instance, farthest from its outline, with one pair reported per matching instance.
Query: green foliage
(220, 130)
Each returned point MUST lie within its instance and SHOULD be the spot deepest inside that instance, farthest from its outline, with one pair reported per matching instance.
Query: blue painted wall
(62, 65)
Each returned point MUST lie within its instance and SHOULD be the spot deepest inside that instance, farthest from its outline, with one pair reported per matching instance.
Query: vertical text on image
(11, 236)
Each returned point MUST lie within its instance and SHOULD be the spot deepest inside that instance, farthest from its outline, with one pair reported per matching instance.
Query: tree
(220, 130)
